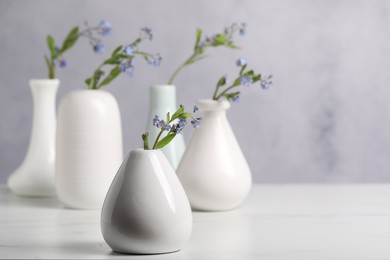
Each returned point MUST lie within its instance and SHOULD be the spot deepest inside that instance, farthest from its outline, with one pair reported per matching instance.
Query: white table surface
(276, 222)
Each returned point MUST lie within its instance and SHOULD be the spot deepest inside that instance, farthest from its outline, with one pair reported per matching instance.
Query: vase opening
(213, 105)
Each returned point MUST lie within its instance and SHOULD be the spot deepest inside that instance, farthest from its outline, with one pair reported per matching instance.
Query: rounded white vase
(163, 100)
(89, 147)
(213, 170)
(146, 210)
(35, 176)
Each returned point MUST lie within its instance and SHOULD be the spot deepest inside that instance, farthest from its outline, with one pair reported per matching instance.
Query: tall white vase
(213, 170)
(35, 176)
(146, 210)
(162, 101)
(89, 147)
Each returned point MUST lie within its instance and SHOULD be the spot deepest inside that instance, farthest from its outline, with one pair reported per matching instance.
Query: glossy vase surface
(146, 210)
(213, 170)
(163, 100)
(35, 176)
(89, 147)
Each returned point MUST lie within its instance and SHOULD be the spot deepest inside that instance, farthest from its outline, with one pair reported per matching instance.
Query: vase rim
(163, 86)
(89, 90)
(44, 80)
(141, 150)
(213, 105)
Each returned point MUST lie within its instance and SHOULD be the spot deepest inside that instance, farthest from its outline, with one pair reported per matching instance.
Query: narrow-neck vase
(162, 101)
(213, 171)
(146, 210)
(35, 176)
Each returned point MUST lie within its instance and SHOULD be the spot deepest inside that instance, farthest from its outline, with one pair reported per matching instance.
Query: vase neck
(44, 117)
(163, 96)
(213, 107)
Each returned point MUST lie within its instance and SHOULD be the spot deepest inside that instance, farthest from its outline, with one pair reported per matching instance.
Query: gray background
(326, 119)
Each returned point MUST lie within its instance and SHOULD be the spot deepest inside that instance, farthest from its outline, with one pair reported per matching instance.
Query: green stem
(146, 141)
(187, 62)
(158, 137)
(224, 92)
(215, 92)
(51, 67)
(94, 81)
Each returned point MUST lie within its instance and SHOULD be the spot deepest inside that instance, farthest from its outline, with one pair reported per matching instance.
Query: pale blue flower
(147, 32)
(105, 28)
(129, 71)
(236, 98)
(60, 62)
(266, 83)
(128, 50)
(166, 127)
(155, 61)
(246, 80)
(241, 62)
(155, 120)
(99, 48)
(243, 29)
(196, 122)
(182, 122)
(63, 63)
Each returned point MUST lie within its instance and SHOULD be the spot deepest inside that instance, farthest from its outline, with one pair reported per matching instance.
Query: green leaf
(136, 42)
(184, 115)
(111, 61)
(177, 113)
(199, 58)
(229, 96)
(256, 78)
(232, 46)
(146, 140)
(237, 82)
(70, 39)
(242, 69)
(198, 37)
(250, 73)
(168, 117)
(113, 74)
(115, 52)
(166, 140)
(48, 63)
(124, 56)
(221, 82)
(52, 48)
(220, 39)
(88, 81)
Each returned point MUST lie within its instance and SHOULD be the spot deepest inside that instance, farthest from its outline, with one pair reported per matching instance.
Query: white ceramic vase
(213, 170)
(162, 101)
(35, 176)
(146, 210)
(89, 147)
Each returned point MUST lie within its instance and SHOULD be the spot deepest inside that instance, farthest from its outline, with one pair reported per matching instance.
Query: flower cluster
(123, 60)
(215, 40)
(56, 57)
(103, 29)
(173, 125)
(245, 78)
(146, 32)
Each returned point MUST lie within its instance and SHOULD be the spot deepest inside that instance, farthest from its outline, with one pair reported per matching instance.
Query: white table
(276, 222)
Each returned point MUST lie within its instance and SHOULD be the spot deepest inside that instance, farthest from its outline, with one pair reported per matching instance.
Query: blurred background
(326, 119)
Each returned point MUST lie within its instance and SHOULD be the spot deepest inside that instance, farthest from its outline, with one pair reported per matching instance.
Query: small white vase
(213, 170)
(35, 176)
(89, 147)
(162, 101)
(146, 210)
